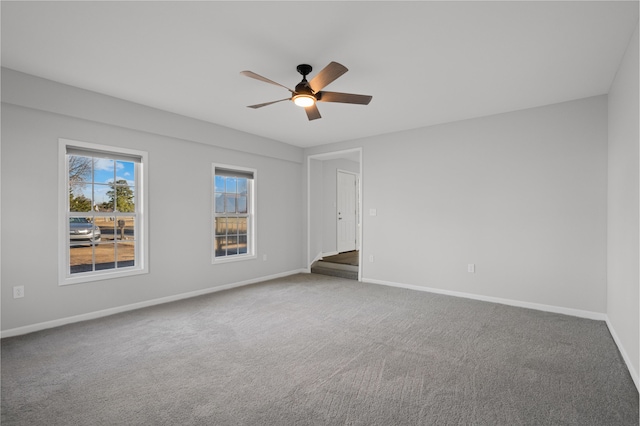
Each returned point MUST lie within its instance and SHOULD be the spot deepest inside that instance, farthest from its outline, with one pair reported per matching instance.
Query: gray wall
(623, 220)
(522, 195)
(179, 192)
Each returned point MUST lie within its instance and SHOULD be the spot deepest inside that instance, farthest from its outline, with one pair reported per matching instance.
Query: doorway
(333, 206)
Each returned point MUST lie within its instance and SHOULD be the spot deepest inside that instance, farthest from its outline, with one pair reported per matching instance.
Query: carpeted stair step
(335, 270)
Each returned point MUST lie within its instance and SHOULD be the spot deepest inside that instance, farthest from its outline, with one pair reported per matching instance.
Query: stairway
(325, 266)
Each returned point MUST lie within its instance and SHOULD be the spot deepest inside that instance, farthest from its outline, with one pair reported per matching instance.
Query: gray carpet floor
(318, 350)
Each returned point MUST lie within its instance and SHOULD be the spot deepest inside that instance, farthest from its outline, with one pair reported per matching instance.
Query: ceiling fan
(307, 93)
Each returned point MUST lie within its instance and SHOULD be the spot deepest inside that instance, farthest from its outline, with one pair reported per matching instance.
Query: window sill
(81, 278)
(231, 259)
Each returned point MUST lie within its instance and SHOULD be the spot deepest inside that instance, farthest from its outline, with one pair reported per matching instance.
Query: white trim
(233, 258)
(625, 356)
(529, 305)
(112, 311)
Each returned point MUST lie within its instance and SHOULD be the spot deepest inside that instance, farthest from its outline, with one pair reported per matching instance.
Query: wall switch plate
(471, 267)
(18, 291)
(373, 212)
(371, 258)
(264, 257)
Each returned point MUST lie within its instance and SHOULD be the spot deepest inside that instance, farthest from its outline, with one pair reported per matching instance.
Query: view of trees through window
(101, 214)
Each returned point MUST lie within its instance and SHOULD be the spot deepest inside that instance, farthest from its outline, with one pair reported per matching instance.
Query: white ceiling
(423, 62)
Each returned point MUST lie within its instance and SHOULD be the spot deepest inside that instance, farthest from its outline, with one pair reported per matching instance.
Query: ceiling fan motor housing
(303, 88)
(304, 69)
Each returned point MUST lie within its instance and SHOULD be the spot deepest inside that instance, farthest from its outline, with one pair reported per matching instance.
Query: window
(104, 233)
(233, 213)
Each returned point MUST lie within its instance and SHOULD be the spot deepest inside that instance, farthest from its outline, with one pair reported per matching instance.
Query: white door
(346, 212)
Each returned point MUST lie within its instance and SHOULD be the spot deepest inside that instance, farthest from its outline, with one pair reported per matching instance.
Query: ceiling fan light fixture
(303, 100)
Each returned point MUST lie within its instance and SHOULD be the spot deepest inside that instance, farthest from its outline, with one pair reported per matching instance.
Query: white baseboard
(537, 306)
(111, 311)
(625, 356)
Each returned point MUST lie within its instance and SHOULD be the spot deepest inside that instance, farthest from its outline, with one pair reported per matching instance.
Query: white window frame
(142, 227)
(251, 214)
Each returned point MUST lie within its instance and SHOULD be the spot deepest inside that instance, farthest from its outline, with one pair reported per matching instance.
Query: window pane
(125, 228)
(103, 224)
(105, 256)
(231, 185)
(102, 197)
(103, 170)
(230, 205)
(242, 225)
(242, 204)
(82, 230)
(106, 226)
(219, 184)
(80, 199)
(232, 245)
(221, 246)
(242, 186)
(232, 225)
(125, 170)
(219, 203)
(79, 170)
(80, 257)
(242, 244)
(123, 196)
(126, 253)
(221, 226)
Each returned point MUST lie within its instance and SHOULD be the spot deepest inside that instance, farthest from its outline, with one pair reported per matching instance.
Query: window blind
(118, 156)
(234, 173)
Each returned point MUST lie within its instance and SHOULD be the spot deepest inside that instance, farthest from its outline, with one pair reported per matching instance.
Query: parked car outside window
(81, 229)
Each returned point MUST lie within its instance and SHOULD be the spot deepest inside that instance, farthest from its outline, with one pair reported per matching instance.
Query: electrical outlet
(371, 258)
(471, 267)
(264, 257)
(18, 291)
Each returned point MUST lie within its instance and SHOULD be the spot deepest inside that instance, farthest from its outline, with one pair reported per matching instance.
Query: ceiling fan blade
(252, 74)
(312, 112)
(326, 76)
(267, 103)
(346, 98)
